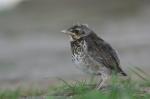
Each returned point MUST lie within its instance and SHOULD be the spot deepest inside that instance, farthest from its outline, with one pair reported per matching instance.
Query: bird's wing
(103, 53)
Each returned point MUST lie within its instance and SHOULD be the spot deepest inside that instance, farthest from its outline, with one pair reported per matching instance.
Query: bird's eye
(76, 32)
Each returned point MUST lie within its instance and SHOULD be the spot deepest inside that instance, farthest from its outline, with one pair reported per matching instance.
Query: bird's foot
(98, 87)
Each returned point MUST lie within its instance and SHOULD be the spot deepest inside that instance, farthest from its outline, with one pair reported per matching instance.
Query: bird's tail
(123, 73)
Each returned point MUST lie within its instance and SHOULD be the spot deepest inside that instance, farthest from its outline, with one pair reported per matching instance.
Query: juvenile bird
(92, 54)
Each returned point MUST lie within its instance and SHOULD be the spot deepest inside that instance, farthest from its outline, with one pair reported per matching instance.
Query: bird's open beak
(67, 32)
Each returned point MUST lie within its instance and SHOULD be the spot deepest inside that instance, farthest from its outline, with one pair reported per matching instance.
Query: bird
(92, 54)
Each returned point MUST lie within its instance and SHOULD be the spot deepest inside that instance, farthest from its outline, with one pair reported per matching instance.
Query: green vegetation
(118, 89)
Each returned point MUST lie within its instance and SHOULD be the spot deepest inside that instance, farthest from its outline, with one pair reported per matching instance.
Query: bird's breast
(78, 52)
(81, 58)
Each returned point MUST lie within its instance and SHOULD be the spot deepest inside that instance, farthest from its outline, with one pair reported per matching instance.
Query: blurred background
(32, 48)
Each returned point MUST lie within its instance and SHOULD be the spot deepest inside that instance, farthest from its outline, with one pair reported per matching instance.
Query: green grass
(117, 89)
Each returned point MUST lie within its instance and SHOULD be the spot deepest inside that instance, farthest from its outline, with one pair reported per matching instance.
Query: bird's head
(77, 31)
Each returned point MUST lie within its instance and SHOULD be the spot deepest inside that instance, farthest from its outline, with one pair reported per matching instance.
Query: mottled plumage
(92, 54)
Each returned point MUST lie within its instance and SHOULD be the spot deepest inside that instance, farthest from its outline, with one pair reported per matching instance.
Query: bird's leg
(99, 83)
(102, 81)
(99, 76)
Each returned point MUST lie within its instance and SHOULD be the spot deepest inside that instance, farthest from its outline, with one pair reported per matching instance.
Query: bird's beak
(67, 32)
(64, 31)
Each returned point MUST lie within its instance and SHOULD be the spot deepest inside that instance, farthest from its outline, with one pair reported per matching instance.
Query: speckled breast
(81, 58)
